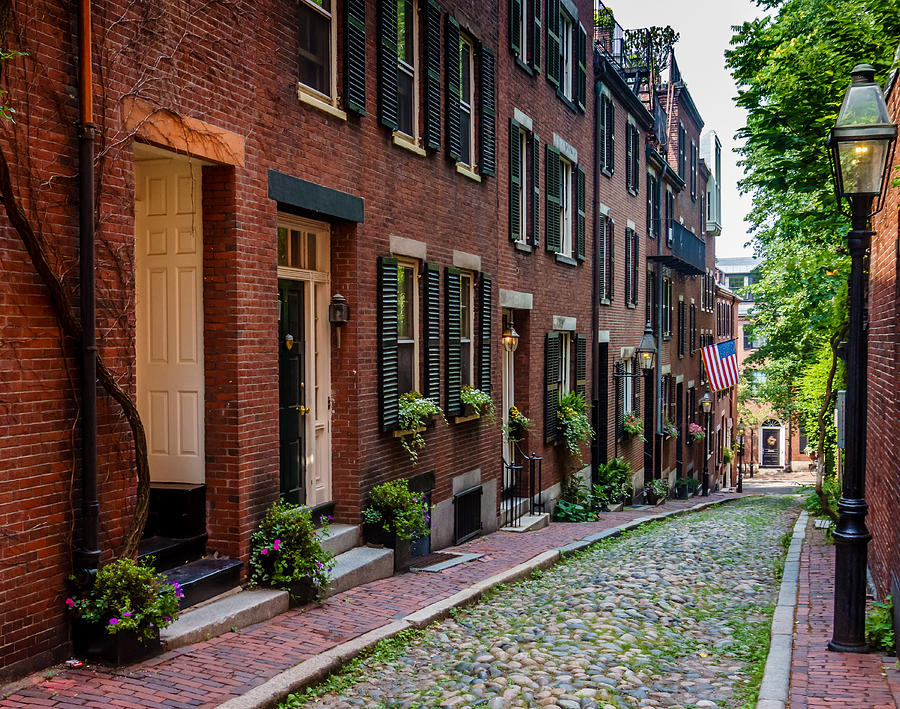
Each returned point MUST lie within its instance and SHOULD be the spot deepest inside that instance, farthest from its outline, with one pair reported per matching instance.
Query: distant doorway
(770, 440)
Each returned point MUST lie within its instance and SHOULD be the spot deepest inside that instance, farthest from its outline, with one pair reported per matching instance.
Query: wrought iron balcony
(687, 253)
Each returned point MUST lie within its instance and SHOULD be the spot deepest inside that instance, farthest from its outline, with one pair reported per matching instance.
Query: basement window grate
(467, 514)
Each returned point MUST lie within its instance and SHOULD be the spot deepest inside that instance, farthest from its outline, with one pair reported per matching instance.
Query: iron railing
(522, 489)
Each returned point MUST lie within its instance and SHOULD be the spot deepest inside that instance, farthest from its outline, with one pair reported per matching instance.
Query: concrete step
(223, 615)
(341, 538)
(358, 566)
(528, 523)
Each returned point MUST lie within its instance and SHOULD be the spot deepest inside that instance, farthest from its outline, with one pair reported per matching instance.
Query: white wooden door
(169, 316)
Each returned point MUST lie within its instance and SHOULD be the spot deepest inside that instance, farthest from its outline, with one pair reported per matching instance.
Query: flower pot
(401, 554)
(376, 534)
(681, 492)
(303, 592)
(653, 498)
(123, 648)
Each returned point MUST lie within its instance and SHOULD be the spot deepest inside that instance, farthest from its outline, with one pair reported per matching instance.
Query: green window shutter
(432, 75)
(610, 136)
(432, 318)
(515, 182)
(581, 217)
(581, 77)
(551, 387)
(635, 391)
(537, 35)
(620, 399)
(552, 189)
(581, 366)
(515, 25)
(485, 313)
(554, 60)
(629, 163)
(601, 256)
(610, 258)
(388, 105)
(601, 132)
(388, 385)
(488, 106)
(454, 364)
(535, 178)
(635, 267)
(454, 139)
(355, 53)
(627, 266)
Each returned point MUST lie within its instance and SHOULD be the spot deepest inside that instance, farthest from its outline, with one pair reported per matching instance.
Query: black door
(291, 394)
(679, 424)
(771, 447)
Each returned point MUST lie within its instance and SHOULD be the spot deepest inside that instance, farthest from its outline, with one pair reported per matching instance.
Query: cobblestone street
(669, 615)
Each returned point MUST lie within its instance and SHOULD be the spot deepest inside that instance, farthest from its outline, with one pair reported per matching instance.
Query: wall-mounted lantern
(510, 339)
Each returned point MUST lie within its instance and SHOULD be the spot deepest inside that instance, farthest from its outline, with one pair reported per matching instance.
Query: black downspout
(599, 442)
(87, 555)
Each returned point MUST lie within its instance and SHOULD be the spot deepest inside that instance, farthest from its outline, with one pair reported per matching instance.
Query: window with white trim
(407, 326)
(466, 329)
(407, 68)
(628, 387)
(565, 363)
(316, 41)
(524, 186)
(567, 42)
(565, 207)
(467, 100)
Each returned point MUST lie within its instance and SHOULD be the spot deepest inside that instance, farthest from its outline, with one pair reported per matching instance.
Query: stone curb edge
(776, 681)
(319, 667)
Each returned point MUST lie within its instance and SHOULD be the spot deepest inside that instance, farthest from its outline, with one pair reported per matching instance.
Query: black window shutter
(620, 399)
(355, 51)
(535, 179)
(610, 136)
(388, 104)
(611, 258)
(515, 181)
(681, 328)
(581, 79)
(628, 266)
(432, 75)
(629, 163)
(487, 164)
(454, 364)
(537, 35)
(581, 219)
(657, 207)
(601, 133)
(485, 314)
(551, 386)
(432, 317)
(388, 389)
(636, 158)
(553, 46)
(552, 190)
(581, 366)
(681, 152)
(601, 256)
(454, 139)
(515, 25)
(635, 267)
(650, 232)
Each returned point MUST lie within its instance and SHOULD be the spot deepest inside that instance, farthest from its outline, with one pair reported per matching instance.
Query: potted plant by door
(656, 491)
(396, 516)
(118, 619)
(285, 553)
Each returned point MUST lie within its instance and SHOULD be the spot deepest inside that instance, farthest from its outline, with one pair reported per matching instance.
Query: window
(565, 363)
(565, 207)
(605, 242)
(316, 46)
(693, 171)
(735, 283)
(567, 42)
(467, 100)
(523, 186)
(628, 387)
(466, 328)
(407, 327)
(670, 217)
(654, 215)
(682, 167)
(606, 128)
(407, 68)
(632, 157)
(692, 345)
(631, 267)
(682, 328)
(524, 190)
(667, 308)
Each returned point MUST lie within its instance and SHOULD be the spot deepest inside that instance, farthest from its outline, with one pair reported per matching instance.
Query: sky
(705, 27)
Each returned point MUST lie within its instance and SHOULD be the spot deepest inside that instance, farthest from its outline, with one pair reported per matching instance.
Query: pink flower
(127, 613)
(276, 544)
(265, 551)
(70, 603)
(113, 621)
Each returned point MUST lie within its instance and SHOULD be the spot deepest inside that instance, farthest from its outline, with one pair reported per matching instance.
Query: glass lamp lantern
(646, 351)
(510, 339)
(706, 403)
(863, 138)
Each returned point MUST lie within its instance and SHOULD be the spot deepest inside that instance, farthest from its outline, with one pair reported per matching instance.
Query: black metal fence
(521, 482)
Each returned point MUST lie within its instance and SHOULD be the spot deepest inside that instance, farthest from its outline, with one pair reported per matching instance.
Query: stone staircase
(354, 565)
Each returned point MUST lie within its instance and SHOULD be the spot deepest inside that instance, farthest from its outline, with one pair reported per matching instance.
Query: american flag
(721, 365)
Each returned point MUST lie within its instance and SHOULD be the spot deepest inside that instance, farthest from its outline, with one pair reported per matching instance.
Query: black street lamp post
(740, 444)
(706, 407)
(751, 452)
(862, 146)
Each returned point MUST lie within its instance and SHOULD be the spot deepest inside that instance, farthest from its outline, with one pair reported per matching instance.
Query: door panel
(291, 400)
(771, 440)
(169, 312)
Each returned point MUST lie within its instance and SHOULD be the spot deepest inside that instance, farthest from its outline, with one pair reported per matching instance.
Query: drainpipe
(87, 555)
(657, 415)
(595, 311)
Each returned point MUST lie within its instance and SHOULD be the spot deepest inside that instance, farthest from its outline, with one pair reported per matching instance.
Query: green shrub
(482, 403)
(398, 510)
(129, 595)
(658, 487)
(727, 455)
(831, 486)
(575, 502)
(415, 412)
(573, 421)
(880, 626)
(613, 482)
(285, 549)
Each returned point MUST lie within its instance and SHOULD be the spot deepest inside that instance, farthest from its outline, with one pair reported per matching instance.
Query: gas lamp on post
(706, 407)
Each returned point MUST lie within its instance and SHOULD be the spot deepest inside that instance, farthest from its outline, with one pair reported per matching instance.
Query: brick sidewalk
(820, 678)
(211, 672)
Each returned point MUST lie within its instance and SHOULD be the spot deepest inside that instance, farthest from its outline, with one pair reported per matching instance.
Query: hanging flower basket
(633, 425)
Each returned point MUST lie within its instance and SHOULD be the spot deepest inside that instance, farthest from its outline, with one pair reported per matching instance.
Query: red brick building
(883, 462)
(431, 163)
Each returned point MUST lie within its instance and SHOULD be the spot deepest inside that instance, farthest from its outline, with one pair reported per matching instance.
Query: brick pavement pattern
(820, 678)
(211, 672)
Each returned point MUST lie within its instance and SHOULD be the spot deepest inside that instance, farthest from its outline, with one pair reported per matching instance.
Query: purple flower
(127, 614)
(113, 621)
(265, 551)
(319, 564)
(178, 592)
(330, 518)
(167, 619)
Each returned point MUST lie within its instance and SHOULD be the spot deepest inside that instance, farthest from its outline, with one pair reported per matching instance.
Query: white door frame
(508, 388)
(317, 296)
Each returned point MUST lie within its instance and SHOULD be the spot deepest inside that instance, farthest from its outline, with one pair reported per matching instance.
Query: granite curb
(773, 692)
(319, 667)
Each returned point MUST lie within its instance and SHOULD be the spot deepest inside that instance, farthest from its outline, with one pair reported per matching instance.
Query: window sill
(467, 171)
(567, 260)
(605, 301)
(408, 432)
(523, 247)
(632, 306)
(606, 171)
(310, 100)
(567, 101)
(524, 66)
(404, 141)
(463, 419)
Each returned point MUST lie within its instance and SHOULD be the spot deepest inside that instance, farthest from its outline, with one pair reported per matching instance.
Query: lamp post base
(835, 646)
